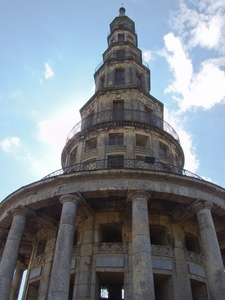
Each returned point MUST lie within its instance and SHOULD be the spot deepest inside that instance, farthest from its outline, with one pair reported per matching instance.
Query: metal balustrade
(123, 117)
(121, 163)
(119, 56)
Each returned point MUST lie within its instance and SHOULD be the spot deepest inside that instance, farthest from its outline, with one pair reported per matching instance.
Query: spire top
(122, 11)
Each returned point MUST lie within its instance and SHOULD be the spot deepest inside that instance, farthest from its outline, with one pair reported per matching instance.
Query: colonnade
(143, 283)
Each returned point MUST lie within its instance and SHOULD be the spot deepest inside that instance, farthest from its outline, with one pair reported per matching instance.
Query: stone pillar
(211, 251)
(129, 140)
(60, 275)
(182, 284)
(46, 269)
(17, 279)
(82, 287)
(101, 144)
(10, 253)
(143, 283)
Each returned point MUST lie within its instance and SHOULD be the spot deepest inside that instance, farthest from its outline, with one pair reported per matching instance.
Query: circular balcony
(126, 117)
(121, 163)
(126, 56)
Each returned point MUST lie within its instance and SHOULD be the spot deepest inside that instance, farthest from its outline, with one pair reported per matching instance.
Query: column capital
(138, 194)
(201, 204)
(22, 211)
(71, 198)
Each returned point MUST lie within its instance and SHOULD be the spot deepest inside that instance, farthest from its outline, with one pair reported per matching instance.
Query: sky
(49, 51)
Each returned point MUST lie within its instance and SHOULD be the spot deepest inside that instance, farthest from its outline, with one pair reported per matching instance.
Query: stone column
(211, 251)
(10, 253)
(60, 275)
(17, 279)
(143, 283)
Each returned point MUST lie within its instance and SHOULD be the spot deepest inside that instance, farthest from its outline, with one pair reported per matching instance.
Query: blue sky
(48, 54)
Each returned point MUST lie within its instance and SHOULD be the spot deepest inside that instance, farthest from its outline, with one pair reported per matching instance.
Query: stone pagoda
(122, 219)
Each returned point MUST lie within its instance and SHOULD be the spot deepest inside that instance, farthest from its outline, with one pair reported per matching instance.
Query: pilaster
(182, 283)
(143, 283)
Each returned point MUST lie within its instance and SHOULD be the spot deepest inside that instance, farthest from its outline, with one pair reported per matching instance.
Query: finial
(122, 11)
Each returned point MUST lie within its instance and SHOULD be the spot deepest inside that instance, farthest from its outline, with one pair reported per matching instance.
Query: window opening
(121, 37)
(41, 247)
(192, 243)
(110, 285)
(118, 110)
(142, 141)
(120, 77)
(158, 235)
(138, 79)
(115, 139)
(73, 155)
(111, 233)
(163, 287)
(120, 53)
(91, 144)
(198, 290)
(163, 149)
(32, 292)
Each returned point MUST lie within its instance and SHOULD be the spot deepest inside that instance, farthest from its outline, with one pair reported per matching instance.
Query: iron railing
(124, 26)
(124, 117)
(121, 163)
(127, 55)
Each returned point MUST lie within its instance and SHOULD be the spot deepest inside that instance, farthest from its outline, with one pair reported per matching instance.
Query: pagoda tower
(122, 219)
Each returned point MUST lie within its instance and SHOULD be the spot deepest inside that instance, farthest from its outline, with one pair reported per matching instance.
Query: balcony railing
(127, 55)
(121, 163)
(126, 117)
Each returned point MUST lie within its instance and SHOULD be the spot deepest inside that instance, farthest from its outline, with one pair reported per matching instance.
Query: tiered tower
(122, 219)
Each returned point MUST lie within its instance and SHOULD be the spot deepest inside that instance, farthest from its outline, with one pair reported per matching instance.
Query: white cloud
(186, 140)
(203, 88)
(179, 63)
(55, 130)
(207, 33)
(48, 71)
(201, 23)
(10, 145)
(197, 82)
(206, 89)
(147, 55)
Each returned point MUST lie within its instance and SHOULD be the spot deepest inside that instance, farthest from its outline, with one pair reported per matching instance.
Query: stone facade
(122, 219)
